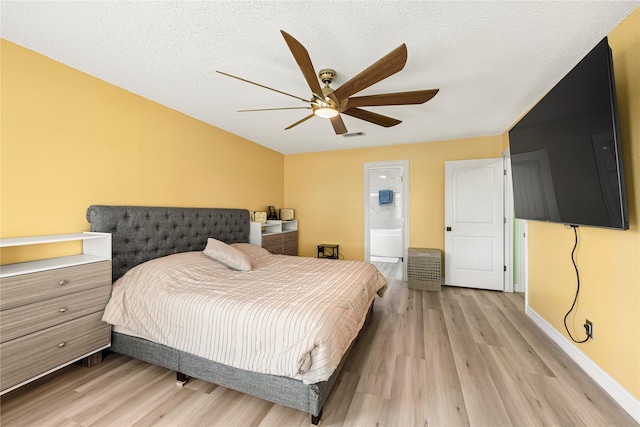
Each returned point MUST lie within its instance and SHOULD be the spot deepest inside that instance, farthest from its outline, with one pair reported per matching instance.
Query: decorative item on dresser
(260, 217)
(286, 214)
(278, 237)
(51, 309)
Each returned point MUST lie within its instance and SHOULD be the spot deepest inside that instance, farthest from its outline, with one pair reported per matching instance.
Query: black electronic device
(566, 153)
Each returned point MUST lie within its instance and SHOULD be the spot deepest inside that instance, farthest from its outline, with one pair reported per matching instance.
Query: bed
(151, 239)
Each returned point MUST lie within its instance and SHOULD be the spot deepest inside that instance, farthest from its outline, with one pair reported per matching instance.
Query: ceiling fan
(328, 103)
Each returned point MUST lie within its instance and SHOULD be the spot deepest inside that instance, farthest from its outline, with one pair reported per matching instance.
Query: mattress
(288, 316)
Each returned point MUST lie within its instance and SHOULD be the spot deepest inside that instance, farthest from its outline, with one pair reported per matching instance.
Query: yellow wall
(70, 140)
(608, 260)
(327, 191)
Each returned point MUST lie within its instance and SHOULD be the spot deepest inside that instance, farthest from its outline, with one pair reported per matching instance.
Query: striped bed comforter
(288, 316)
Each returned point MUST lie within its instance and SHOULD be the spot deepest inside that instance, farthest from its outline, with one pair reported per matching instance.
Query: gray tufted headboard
(141, 233)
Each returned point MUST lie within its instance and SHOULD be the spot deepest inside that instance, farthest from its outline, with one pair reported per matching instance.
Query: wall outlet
(588, 327)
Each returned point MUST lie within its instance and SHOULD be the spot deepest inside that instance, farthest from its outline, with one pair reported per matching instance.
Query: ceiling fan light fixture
(325, 112)
(331, 104)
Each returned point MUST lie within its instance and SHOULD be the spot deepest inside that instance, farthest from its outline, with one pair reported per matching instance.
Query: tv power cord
(575, 299)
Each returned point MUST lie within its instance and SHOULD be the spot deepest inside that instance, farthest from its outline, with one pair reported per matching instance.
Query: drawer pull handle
(62, 344)
(62, 310)
(63, 282)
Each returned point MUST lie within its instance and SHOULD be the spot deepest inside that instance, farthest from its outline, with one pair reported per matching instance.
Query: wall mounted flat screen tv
(566, 156)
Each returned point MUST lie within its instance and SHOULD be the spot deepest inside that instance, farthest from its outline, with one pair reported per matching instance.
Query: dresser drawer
(26, 319)
(290, 236)
(272, 243)
(290, 248)
(28, 288)
(29, 356)
(274, 248)
(271, 240)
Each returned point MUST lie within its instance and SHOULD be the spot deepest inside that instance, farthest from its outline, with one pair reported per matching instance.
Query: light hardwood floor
(452, 358)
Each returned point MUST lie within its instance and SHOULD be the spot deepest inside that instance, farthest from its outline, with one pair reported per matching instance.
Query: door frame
(521, 240)
(509, 220)
(368, 166)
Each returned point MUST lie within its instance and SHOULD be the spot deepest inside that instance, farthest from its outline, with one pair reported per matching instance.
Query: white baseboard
(625, 399)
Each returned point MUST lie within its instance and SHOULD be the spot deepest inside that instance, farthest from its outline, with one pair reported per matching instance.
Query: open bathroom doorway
(386, 216)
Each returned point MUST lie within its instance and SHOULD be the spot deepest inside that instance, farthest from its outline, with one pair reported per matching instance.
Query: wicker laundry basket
(424, 268)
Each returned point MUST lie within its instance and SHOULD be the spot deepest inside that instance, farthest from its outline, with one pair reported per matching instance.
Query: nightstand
(327, 250)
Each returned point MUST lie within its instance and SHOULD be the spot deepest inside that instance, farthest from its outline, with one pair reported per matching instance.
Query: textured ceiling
(491, 60)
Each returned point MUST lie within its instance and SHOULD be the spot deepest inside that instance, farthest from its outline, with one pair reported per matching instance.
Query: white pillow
(227, 255)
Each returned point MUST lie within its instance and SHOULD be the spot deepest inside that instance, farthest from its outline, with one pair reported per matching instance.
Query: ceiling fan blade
(398, 98)
(338, 125)
(375, 118)
(274, 109)
(386, 66)
(304, 62)
(262, 86)
(298, 122)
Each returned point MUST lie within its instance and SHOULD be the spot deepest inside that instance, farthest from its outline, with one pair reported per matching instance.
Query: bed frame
(142, 233)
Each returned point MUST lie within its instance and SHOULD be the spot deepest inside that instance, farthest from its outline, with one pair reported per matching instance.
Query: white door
(474, 224)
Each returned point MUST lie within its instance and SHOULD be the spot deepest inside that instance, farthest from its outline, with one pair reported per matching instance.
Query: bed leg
(315, 420)
(181, 379)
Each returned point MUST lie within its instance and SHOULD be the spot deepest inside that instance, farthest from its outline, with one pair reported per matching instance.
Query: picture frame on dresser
(51, 309)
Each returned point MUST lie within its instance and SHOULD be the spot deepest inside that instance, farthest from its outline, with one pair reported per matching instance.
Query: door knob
(448, 228)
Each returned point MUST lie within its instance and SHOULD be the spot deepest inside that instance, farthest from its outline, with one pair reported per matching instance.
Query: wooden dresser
(51, 309)
(278, 237)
